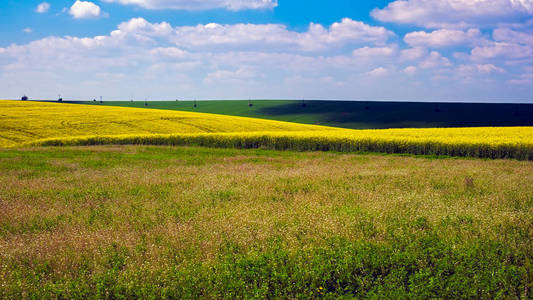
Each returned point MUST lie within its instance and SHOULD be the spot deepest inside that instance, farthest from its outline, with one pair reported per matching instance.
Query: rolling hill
(358, 114)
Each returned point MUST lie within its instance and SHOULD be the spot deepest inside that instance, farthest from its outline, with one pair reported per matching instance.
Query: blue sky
(421, 50)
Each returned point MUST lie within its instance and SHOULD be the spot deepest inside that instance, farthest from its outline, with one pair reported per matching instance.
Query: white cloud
(267, 37)
(374, 51)
(435, 60)
(469, 70)
(489, 68)
(143, 30)
(452, 13)
(442, 38)
(242, 73)
(410, 70)
(137, 42)
(169, 52)
(342, 32)
(84, 10)
(317, 37)
(27, 30)
(285, 61)
(501, 50)
(234, 5)
(512, 36)
(378, 72)
(523, 79)
(508, 45)
(43, 8)
(413, 53)
(152, 60)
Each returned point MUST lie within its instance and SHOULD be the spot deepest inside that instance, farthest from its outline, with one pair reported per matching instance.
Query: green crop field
(358, 114)
(178, 222)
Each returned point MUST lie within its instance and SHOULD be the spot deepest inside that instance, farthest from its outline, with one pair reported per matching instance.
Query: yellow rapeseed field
(27, 121)
(38, 123)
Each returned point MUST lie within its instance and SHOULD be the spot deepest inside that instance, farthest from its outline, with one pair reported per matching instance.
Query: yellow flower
(42, 123)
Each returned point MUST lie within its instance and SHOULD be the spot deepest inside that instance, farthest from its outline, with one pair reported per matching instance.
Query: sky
(402, 50)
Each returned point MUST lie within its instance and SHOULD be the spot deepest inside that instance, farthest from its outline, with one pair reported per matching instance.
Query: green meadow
(118, 222)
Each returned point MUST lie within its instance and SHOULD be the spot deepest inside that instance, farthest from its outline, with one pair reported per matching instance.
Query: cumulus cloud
(244, 73)
(375, 51)
(413, 53)
(141, 29)
(509, 35)
(503, 50)
(317, 37)
(378, 72)
(410, 70)
(275, 37)
(140, 45)
(84, 10)
(27, 30)
(442, 38)
(344, 60)
(173, 41)
(169, 52)
(233, 5)
(507, 44)
(435, 60)
(475, 69)
(43, 8)
(452, 13)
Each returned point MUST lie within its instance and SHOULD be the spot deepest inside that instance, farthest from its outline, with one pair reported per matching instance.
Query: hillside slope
(358, 114)
(55, 124)
(25, 121)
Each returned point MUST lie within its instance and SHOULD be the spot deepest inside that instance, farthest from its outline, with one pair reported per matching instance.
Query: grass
(358, 114)
(186, 222)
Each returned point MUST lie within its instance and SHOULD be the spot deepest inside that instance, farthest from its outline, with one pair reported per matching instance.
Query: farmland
(266, 149)
(39, 123)
(27, 121)
(130, 206)
(181, 222)
(357, 114)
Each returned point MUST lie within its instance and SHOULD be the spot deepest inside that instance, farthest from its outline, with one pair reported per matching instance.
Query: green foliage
(421, 267)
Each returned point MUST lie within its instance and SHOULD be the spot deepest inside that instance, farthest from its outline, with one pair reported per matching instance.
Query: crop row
(345, 141)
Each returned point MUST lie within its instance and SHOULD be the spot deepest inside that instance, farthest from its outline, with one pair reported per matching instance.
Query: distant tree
(250, 103)
(101, 101)
(94, 100)
(303, 103)
(24, 98)
(195, 105)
